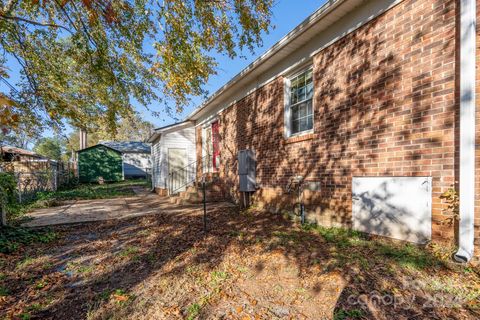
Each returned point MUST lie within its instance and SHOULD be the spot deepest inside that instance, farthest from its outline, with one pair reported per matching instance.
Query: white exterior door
(177, 161)
(396, 207)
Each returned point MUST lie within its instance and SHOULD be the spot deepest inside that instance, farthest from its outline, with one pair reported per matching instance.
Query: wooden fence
(38, 175)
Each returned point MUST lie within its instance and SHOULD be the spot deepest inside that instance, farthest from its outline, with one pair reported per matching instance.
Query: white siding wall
(182, 138)
(157, 158)
(136, 163)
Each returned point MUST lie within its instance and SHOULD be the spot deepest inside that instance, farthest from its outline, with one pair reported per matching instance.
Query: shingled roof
(127, 146)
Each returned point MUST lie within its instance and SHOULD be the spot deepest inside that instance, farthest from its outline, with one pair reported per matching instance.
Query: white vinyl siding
(182, 138)
(136, 164)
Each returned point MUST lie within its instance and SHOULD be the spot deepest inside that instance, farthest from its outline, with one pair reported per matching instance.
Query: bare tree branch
(36, 23)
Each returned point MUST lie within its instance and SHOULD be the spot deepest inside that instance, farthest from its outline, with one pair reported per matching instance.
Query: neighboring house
(10, 153)
(114, 161)
(372, 103)
(17, 160)
(174, 156)
(33, 172)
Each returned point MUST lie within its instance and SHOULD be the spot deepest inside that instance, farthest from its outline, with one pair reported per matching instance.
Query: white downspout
(467, 129)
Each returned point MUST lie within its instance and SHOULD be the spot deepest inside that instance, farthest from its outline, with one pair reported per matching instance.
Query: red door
(216, 145)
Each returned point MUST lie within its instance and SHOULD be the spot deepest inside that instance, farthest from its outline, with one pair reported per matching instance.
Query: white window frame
(288, 112)
(204, 126)
(206, 164)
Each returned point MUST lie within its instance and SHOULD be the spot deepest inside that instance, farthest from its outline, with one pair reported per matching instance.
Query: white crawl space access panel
(396, 207)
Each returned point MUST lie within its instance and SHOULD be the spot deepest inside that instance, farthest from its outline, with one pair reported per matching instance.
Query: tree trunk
(3, 215)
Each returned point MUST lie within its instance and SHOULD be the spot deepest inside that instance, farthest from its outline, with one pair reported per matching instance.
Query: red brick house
(373, 104)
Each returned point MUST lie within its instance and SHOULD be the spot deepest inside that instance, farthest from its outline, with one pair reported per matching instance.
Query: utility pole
(83, 138)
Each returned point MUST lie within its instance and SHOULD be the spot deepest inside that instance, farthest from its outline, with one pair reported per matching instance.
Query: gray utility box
(246, 170)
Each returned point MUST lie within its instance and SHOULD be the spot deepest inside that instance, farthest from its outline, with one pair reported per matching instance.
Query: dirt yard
(250, 265)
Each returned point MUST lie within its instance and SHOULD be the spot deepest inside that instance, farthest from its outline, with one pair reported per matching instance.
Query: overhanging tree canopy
(84, 61)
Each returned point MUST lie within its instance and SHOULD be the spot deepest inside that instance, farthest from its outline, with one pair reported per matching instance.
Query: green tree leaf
(85, 62)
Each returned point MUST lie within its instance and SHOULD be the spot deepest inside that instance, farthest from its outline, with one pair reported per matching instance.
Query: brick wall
(384, 105)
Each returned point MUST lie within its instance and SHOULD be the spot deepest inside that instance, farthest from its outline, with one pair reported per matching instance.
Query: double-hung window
(299, 103)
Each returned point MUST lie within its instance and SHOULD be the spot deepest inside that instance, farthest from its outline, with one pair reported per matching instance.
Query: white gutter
(467, 129)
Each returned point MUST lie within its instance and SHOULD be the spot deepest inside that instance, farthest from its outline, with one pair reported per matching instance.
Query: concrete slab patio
(77, 211)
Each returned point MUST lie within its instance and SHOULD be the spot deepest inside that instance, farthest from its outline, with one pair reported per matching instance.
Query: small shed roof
(19, 151)
(124, 146)
(128, 146)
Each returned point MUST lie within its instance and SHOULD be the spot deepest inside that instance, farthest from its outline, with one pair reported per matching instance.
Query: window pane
(294, 83)
(295, 128)
(302, 110)
(309, 107)
(309, 77)
(301, 87)
(309, 91)
(295, 114)
(310, 123)
(304, 124)
(301, 80)
(301, 93)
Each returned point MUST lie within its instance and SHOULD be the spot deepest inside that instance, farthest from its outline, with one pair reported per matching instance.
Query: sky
(286, 15)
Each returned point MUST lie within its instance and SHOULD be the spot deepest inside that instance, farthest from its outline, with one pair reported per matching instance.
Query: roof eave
(172, 127)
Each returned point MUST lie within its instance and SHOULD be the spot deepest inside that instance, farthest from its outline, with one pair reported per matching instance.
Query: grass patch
(11, 238)
(216, 279)
(27, 261)
(80, 268)
(348, 314)
(407, 255)
(129, 251)
(121, 297)
(290, 237)
(462, 293)
(34, 307)
(341, 237)
(25, 316)
(40, 284)
(4, 291)
(219, 276)
(193, 311)
(87, 191)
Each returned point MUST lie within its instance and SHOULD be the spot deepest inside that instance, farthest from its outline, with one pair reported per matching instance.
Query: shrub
(70, 181)
(12, 237)
(8, 193)
(8, 187)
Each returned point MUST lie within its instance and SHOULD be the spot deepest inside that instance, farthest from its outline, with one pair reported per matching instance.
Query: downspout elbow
(464, 254)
